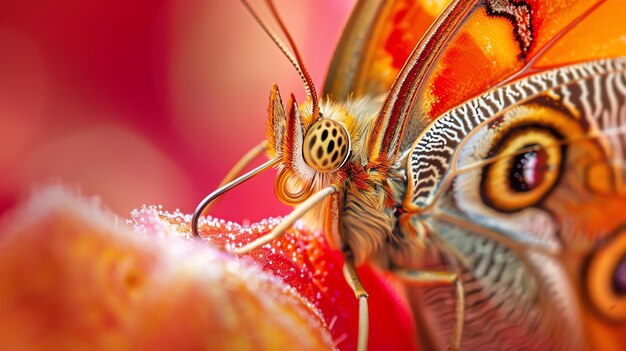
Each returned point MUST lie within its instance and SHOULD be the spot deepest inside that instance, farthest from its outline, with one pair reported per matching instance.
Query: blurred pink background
(147, 102)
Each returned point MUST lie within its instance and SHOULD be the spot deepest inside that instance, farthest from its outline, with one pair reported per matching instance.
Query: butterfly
(475, 149)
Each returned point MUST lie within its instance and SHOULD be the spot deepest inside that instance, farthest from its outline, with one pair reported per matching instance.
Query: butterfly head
(313, 148)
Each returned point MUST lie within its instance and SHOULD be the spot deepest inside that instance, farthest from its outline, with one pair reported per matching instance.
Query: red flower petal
(304, 261)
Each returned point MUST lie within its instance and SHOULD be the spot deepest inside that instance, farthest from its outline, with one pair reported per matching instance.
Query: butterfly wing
(375, 44)
(523, 189)
(476, 45)
(527, 262)
(534, 267)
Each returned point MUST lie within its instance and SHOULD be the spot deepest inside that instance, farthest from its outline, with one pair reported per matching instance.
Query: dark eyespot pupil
(528, 170)
(327, 124)
(325, 163)
(339, 141)
(334, 132)
(335, 155)
(331, 146)
(324, 134)
(320, 152)
(312, 141)
(619, 278)
(343, 150)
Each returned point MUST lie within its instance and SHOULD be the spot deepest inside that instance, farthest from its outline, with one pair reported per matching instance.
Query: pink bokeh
(147, 102)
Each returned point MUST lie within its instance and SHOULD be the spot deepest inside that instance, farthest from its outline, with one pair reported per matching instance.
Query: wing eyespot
(527, 164)
(605, 278)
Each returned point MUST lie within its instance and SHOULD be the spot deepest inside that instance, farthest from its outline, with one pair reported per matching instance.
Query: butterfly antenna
(307, 77)
(296, 61)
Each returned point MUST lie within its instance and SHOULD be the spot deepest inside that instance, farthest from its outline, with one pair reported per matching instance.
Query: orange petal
(71, 278)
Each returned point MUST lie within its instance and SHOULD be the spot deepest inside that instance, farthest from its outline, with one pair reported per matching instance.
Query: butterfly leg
(430, 278)
(287, 222)
(243, 162)
(351, 276)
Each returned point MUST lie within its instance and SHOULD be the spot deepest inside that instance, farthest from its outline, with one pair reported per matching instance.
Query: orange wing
(477, 45)
(376, 43)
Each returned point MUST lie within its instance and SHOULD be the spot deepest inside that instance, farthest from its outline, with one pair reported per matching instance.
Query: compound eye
(326, 146)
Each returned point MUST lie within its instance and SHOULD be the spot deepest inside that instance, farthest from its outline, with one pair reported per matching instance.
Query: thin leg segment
(217, 193)
(350, 274)
(243, 162)
(230, 181)
(281, 228)
(429, 278)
